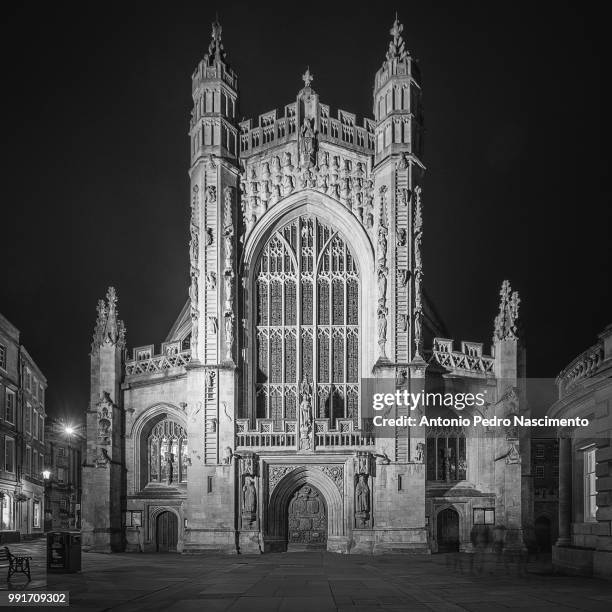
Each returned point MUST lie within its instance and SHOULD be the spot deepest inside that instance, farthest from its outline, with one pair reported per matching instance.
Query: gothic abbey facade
(244, 431)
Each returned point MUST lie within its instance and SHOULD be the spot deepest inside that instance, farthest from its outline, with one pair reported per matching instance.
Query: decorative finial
(396, 46)
(109, 328)
(505, 321)
(216, 51)
(307, 77)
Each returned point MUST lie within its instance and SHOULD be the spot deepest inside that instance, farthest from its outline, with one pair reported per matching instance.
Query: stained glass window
(446, 455)
(307, 322)
(167, 446)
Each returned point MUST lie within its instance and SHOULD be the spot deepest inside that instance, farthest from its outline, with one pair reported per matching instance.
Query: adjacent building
(585, 462)
(247, 428)
(64, 446)
(545, 474)
(22, 429)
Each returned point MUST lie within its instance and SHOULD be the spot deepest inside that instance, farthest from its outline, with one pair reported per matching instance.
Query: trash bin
(64, 551)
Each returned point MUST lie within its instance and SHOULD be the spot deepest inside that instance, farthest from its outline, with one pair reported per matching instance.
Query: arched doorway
(166, 531)
(543, 534)
(448, 530)
(307, 520)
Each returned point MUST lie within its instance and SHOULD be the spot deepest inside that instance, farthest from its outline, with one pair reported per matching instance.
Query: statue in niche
(212, 324)
(305, 431)
(401, 237)
(287, 184)
(382, 328)
(307, 143)
(249, 496)
(403, 322)
(287, 166)
(322, 161)
(209, 236)
(169, 468)
(362, 495)
(404, 276)
(211, 280)
(420, 452)
(382, 282)
(211, 194)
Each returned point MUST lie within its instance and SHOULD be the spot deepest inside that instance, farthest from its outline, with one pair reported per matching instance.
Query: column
(565, 491)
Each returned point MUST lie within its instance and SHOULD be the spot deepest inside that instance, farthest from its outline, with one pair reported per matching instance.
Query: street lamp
(69, 429)
(46, 474)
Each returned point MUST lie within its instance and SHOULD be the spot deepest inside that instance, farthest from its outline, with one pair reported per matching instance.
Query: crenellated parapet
(271, 130)
(468, 360)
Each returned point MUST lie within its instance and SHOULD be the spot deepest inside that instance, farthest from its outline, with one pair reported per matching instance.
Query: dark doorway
(166, 532)
(448, 531)
(543, 534)
(307, 520)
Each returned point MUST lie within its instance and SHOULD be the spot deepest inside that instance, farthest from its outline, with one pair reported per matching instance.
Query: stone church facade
(245, 431)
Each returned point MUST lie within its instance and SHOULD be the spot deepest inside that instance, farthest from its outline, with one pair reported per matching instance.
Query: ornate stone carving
(104, 409)
(210, 378)
(248, 464)
(211, 194)
(306, 431)
(505, 321)
(513, 455)
(418, 272)
(249, 503)
(336, 474)
(401, 237)
(397, 50)
(109, 328)
(276, 473)
(194, 254)
(211, 281)
(212, 324)
(363, 463)
(229, 275)
(307, 144)
(381, 274)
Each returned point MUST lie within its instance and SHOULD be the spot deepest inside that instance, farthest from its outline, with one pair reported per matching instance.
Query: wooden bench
(16, 563)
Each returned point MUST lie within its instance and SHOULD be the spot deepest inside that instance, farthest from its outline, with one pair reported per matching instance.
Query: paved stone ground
(318, 582)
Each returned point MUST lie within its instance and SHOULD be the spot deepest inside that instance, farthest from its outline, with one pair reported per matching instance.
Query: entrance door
(166, 532)
(448, 531)
(307, 520)
(543, 534)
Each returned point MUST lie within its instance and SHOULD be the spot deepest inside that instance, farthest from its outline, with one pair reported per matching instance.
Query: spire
(109, 328)
(396, 46)
(216, 52)
(505, 321)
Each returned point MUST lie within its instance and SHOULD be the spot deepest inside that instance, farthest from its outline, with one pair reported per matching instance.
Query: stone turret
(211, 375)
(104, 461)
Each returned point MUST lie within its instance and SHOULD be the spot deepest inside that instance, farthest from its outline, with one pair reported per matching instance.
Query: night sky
(96, 157)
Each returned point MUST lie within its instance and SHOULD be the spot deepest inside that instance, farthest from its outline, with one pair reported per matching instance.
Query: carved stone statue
(362, 495)
(249, 496)
(211, 280)
(307, 144)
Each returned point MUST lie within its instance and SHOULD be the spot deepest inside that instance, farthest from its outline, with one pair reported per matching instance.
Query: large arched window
(307, 322)
(167, 446)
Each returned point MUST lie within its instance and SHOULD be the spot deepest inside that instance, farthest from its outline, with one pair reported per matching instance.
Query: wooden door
(448, 531)
(307, 520)
(167, 532)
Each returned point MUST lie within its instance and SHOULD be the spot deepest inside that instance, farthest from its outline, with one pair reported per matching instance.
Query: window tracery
(307, 322)
(167, 453)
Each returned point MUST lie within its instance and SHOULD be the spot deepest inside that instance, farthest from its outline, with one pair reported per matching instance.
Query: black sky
(95, 190)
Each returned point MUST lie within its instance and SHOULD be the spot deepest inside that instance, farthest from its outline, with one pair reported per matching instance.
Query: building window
(28, 465)
(61, 474)
(61, 451)
(539, 471)
(10, 406)
(28, 379)
(28, 418)
(36, 514)
(590, 488)
(446, 456)
(9, 454)
(41, 428)
(167, 453)
(306, 324)
(540, 451)
(3, 356)
(35, 424)
(6, 511)
(484, 516)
